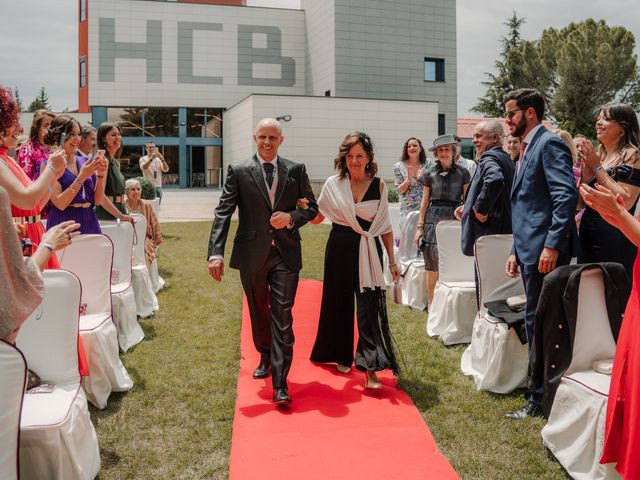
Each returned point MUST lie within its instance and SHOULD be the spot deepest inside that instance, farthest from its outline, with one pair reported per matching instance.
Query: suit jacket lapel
(256, 172)
(283, 173)
(525, 164)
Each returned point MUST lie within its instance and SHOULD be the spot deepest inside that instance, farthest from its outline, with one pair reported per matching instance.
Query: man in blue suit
(543, 204)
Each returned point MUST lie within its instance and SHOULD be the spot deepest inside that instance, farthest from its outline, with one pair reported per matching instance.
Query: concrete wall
(320, 46)
(167, 54)
(381, 46)
(319, 124)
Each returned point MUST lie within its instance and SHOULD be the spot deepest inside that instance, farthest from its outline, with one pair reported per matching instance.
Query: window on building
(83, 10)
(83, 72)
(327, 93)
(441, 124)
(434, 70)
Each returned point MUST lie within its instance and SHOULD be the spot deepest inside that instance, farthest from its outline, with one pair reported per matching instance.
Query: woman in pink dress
(34, 152)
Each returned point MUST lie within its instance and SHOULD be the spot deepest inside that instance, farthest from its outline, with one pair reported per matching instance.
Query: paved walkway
(188, 205)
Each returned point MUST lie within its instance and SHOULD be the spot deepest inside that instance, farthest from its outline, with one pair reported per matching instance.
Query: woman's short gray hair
(129, 184)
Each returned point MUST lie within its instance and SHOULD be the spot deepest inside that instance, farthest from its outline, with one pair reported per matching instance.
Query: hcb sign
(151, 52)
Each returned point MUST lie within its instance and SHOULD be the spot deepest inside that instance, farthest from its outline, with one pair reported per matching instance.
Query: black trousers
(270, 295)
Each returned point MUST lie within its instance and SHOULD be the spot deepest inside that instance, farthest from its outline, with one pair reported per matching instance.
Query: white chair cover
(496, 359)
(57, 438)
(408, 250)
(122, 294)
(414, 286)
(145, 297)
(575, 430)
(157, 282)
(13, 378)
(89, 257)
(394, 218)
(453, 310)
(155, 204)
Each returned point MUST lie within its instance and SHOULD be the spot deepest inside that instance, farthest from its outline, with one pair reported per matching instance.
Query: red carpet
(334, 428)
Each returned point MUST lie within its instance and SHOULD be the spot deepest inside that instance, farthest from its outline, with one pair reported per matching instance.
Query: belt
(30, 219)
(116, 198)
(81, 205)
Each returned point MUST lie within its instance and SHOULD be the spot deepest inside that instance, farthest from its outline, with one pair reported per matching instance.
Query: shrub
(148, 190)
(393, 195)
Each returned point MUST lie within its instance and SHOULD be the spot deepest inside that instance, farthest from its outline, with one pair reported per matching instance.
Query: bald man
(266, 247)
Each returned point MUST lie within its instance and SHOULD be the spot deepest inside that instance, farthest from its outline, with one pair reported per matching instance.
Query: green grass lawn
(177, 421)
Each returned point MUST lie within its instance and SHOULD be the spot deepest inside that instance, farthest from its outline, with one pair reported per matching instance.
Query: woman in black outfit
(355, 200)
(619, 136)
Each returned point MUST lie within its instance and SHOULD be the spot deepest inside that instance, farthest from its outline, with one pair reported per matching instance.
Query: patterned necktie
(523, 147)
(268, 173)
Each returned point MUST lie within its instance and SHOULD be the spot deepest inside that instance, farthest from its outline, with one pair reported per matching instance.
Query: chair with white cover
(13, 379)
(122, 295)
(454, 307)
(157, 282)
(155, 204)
(146, 300)
(575, 430)
(496, 359)
(414, 290)
(89, 257)
(57, 438)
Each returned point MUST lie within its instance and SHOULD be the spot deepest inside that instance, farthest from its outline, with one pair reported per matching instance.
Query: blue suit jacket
(543, 200)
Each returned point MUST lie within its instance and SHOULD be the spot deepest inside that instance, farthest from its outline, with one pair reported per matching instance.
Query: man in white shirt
(153, 165)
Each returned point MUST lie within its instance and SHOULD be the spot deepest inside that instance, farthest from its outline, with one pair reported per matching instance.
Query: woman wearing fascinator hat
(444, 186)
(355, 200)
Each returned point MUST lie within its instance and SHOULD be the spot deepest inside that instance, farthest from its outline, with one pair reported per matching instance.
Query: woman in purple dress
(81, 186)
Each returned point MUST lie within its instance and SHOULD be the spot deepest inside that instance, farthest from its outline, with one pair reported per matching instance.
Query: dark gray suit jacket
(245, 189)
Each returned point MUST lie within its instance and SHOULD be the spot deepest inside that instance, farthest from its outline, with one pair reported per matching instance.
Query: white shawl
(336, 203)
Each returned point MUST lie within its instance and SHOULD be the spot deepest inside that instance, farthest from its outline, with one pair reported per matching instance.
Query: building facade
(187, 74)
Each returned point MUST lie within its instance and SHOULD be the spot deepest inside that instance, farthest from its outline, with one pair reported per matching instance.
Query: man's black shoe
(280, 396)
(262, 371)
(529, 410)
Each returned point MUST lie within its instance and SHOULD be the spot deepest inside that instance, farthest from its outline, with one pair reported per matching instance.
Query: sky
(40, 40)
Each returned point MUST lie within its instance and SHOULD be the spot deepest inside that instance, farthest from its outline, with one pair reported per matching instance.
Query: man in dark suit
(487, 206)
(543, 204)
(266, 247)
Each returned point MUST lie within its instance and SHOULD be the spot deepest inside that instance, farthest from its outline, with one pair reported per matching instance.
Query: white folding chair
(155, 204)
(57, 438)
(454, 307)
(13, 378)
(146, 300)
(575, 430)
(408, 250)
(122, 295)
(89, 257)
(157, 282)
(496, 359)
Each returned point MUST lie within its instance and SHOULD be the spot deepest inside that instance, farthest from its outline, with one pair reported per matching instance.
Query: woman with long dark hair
(619, 136)
(407, 172)
(112, 206)
(355, 200)
(82, 183)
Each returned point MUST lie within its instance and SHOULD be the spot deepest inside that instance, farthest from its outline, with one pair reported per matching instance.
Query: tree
(502, 82)
(41, 101)
(16, 95)
(577, 68)
(582, 67)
